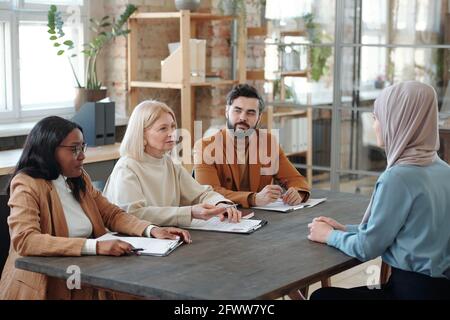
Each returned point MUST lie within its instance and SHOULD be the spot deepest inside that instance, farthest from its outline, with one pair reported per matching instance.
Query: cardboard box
(171, 67)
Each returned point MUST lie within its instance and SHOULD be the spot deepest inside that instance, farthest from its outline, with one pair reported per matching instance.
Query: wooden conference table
(267, 264)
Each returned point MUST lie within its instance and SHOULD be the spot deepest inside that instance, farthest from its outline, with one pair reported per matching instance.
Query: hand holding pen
(222, 210)
(231, 211)
(290, 196)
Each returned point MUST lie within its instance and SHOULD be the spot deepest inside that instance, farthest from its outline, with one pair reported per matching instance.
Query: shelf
(188, 29)
(257, 74)
(296, 33)
(177, 15)
(155, 84)
(294, 73)
(256, 31)
(214, 83)
(169, 85)
(290, 114)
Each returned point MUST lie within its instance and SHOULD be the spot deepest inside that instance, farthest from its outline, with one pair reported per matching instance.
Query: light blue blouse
(410, 221)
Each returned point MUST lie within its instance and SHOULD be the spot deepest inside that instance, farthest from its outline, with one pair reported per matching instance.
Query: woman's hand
(319, 231)
(292, 197)
(233, 214)
(171, 233)
(333, 223)
(115, 248)
(222, 210)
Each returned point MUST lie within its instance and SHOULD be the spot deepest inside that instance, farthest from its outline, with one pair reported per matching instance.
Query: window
(34, 81)
(375, 44)
(47, 83)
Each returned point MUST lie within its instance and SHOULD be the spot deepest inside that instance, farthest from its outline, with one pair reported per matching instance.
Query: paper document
(151, 246)
(214, 224)
(280, 206)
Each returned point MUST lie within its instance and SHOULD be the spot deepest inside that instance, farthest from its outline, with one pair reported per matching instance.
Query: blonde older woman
(148, 184)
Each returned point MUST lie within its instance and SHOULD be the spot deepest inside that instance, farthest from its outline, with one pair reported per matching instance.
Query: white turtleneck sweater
(78, 223)
(157, 190)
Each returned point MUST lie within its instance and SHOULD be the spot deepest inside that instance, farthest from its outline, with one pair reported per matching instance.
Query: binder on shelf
(110, 123)
(98, 122)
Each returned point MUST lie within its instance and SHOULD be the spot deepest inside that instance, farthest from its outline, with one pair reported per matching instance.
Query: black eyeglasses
(76, 150)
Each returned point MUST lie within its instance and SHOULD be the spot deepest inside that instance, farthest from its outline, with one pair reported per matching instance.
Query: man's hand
(292, 197)
(269, 194)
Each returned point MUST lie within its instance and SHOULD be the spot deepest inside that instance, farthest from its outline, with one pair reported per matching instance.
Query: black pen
(137, 249)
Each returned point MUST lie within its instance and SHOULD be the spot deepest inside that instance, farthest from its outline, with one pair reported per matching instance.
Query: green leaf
(53, 38)
(60, 52)
(56, 44)
(51, 31)
(68, 43)
(73, 56)
(106, 24)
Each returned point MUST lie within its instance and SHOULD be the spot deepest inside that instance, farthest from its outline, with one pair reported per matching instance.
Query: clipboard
(246, 226)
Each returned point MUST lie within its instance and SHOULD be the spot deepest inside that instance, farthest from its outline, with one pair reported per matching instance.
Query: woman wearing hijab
(407, 221)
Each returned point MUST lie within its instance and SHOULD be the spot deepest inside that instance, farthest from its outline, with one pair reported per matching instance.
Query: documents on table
(151, 246)
(245, 226)
(280, 206)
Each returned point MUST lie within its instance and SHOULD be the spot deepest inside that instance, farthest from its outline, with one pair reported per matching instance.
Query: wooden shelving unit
(256, 74)
(188, 29)
(286, 111)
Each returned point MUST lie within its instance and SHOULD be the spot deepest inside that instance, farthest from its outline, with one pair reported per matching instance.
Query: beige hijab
(408, 116)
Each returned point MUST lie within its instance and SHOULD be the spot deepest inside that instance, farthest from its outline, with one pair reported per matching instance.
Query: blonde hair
(144, 116)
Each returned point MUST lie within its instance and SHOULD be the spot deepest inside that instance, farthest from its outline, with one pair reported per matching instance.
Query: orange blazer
(38, 227)
(224, 177)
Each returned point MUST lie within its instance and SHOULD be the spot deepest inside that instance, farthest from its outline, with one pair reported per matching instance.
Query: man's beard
(239, 133)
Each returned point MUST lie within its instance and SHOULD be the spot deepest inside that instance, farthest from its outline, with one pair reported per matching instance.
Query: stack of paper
(280, 206)
(246, 226)
(151, 246)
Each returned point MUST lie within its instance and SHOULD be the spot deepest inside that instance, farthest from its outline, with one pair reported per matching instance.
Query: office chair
(4, 230)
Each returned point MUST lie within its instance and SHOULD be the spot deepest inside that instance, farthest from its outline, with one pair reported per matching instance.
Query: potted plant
(104, 31)
(318, 55)
(191, 5)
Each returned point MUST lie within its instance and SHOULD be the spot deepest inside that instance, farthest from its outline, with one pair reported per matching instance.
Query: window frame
(13, 13)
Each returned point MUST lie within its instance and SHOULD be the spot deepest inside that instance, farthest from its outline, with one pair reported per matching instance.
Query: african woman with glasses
(55, 211)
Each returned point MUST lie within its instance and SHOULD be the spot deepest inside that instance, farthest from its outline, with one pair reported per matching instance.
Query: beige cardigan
(157, 190)
(38, 228)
